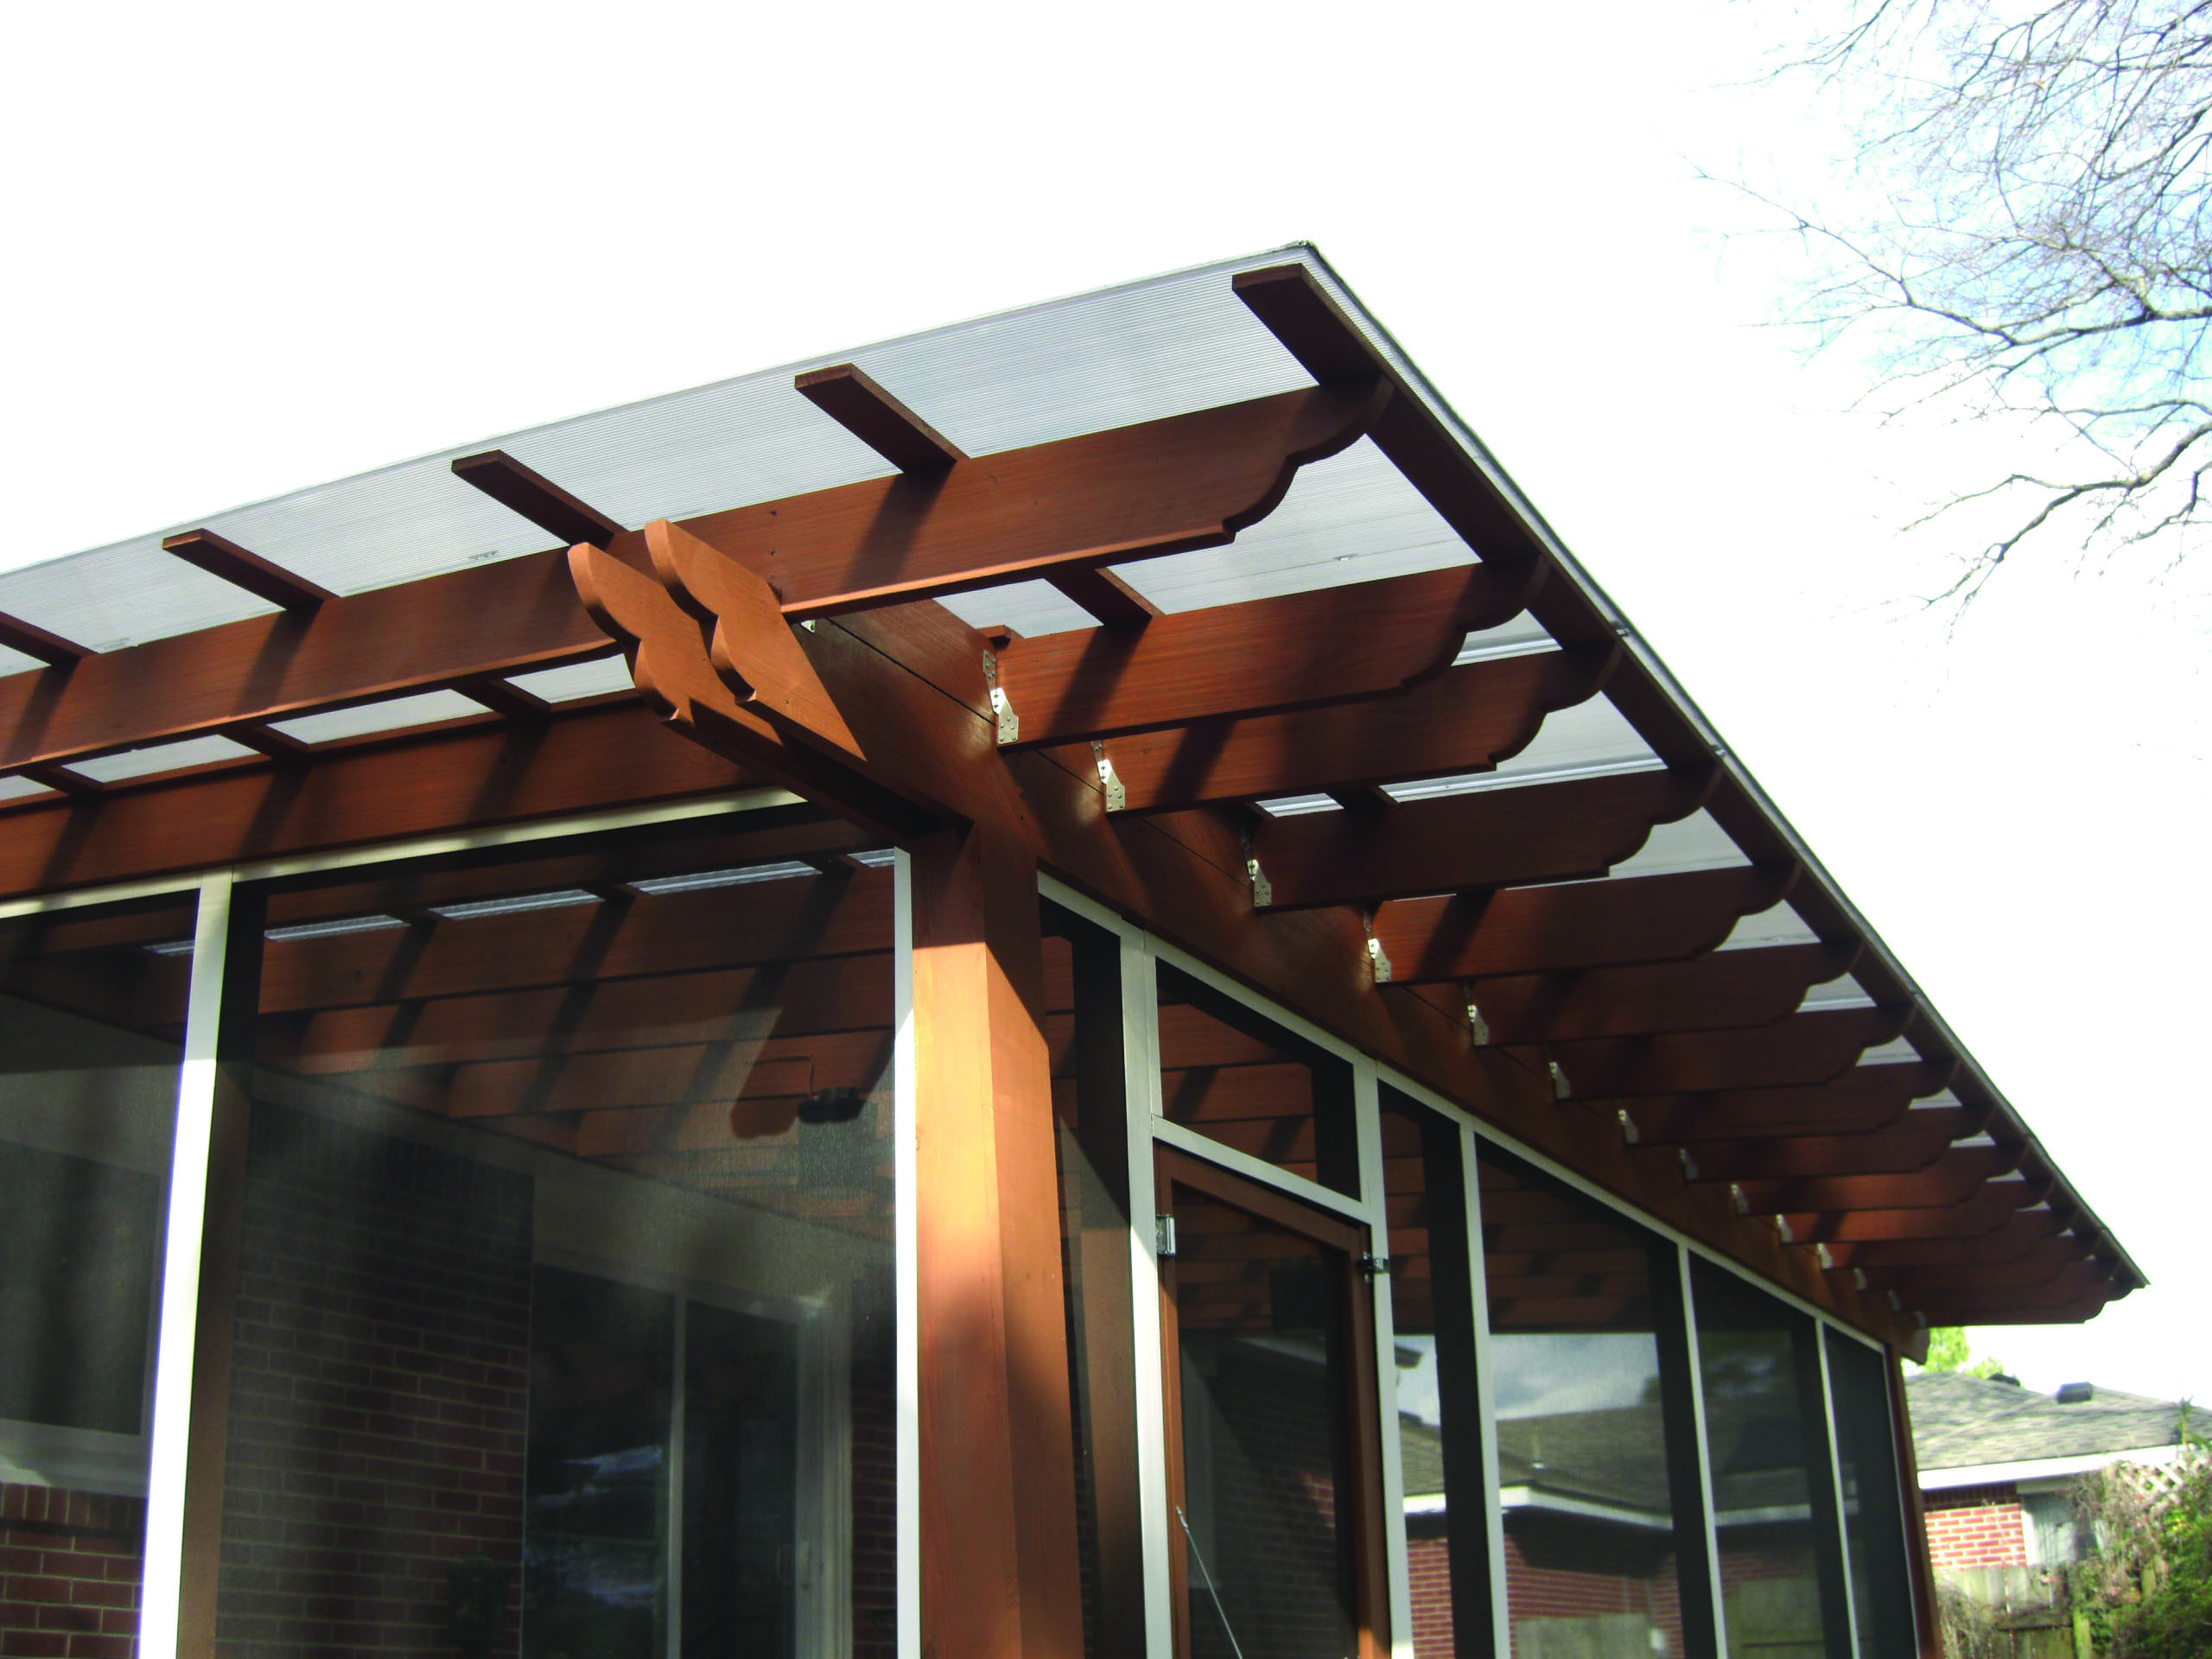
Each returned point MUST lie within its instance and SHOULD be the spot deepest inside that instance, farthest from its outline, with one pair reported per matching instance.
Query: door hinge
(1163, 1235)
(1375, 1267)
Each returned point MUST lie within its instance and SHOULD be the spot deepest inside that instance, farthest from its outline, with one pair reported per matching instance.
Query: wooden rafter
(1497, 838)
(34, 641)
(1804, 1048)
(1863, 1099)
(1465, 720)
(531, 495)
(225, 559)
(1734, 988)
(1585, 925)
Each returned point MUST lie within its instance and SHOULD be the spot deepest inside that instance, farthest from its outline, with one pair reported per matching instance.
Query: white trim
(161, 1602)
(1485, 1396)
(1835, 1476)
(1185, 1138)
(1367, 1118)
(1148, 1354)
(1991, 1474)
(906, 1270)
(1703, 1451)
(1490, 1135)
(1525, 1497)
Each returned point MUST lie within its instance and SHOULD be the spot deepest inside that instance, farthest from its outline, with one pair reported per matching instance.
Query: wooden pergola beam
(1863, 1100)
(1136, 492)
(1296, 651)
(1710, 992)
(1803, 1048)
(1497, 838)
(1563, 929)
(226, 561)
(1961, 1175)
(1914, 1141)
(1465, 720)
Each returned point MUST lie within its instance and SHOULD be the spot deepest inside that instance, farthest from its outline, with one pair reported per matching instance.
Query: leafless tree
(2031, 245)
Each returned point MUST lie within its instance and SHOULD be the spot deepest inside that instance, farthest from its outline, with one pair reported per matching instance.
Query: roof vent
(2073, 1394)
(2005, 1376)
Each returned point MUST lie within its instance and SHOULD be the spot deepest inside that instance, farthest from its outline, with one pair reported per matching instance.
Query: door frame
(1356, 1387)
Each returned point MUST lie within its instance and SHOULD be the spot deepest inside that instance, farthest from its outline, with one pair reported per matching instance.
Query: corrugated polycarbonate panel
(392, 715)
(15, 662)
(1029, 608)
(1778, 925)
(21, 789)
(121, 595)
(1352, 518)
(162, 757)
(1589, 739)
(572, 680)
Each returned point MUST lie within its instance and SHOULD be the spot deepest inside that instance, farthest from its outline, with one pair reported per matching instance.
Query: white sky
(251, 248)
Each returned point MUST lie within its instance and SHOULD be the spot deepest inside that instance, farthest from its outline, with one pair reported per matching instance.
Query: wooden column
(998, 1511)
(1916, 1517)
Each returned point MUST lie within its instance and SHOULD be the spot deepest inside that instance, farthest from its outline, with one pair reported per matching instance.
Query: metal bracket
(1375, 957)
(1688, 1163)
(1629, 1134)
(1009, 722)
(1822, 1254)
(1117, 797)
(1163, 1235)
(1263, 893)
(1735, 1195)
(1375, 1267)
(1477, 1027)
(1562, 1089)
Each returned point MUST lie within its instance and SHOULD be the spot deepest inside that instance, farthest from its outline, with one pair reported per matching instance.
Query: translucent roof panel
(162, 757)
(572, 680)
(15, 787)
(390, 715)
(121, 595)
(1589, 739)
(1352, 518)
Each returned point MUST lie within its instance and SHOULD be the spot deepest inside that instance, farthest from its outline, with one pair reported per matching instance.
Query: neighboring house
(1998, 1462)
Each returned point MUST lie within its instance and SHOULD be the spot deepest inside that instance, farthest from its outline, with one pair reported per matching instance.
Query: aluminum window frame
(168, 1417)
(1141, 952)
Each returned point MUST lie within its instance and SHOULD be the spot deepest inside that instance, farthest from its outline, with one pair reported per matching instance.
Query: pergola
(1406, 772)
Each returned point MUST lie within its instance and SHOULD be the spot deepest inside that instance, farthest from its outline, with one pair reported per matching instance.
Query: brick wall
(377, 1406)
(876, 1491)
(1428, 1570)
(70, 1566)
(1976, 1526)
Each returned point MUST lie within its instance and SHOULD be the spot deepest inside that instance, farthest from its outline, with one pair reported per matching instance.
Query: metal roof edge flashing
(1647, 656)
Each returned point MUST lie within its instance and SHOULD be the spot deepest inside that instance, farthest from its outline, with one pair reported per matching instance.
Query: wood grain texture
(848, 396)
(1712, 992)
(1136, 492)
(1000, 1571)
(1465, 720)
(1803, 1048)
(1503, 837)
(1265, 655)
(225, 560)
(1863, 1099)
(525, 490)
(1561, 929)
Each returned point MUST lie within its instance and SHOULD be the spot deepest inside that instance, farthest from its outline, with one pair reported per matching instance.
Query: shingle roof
(1961, 1421)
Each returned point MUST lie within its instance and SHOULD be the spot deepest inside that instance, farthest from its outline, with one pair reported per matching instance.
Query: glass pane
(1237, 1077)
(1265, 1522)
(91, 1030)
(566, 1320)
(1082, 1001)
(1589, 1499)
(1439, 1428)
(595, 1527)
(1766, 1446)
(1873, 1517)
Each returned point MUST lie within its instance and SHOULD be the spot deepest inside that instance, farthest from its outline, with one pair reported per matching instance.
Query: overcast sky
(255, 248)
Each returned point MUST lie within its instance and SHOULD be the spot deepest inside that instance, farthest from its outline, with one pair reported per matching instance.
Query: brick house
(1998, 1462)
(1057, 988)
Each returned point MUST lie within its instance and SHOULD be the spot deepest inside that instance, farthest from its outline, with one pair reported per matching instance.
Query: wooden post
(1915, 1518)
(1000, 1574)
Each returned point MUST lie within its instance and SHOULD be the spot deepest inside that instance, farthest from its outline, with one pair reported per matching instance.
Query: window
(91, 1030)
(565, 1322)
